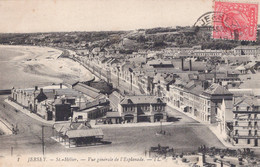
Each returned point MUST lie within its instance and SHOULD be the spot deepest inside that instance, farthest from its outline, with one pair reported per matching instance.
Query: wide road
(123, 85)
(29, 137)
(184, 134)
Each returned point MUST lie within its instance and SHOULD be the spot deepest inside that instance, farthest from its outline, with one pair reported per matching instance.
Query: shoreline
(36, 65)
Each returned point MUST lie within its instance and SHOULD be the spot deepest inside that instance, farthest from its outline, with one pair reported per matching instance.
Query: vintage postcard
(130, 83)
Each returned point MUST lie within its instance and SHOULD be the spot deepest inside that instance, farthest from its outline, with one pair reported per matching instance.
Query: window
(249, 133)
(255, 116)
(237, 108)
(248, 141)
(249, 123)
(80, 117)
(236, 141)
(248, 108)
(255, 132)
(249, 116)
(235, 115)
(236, 123)
(236, 132)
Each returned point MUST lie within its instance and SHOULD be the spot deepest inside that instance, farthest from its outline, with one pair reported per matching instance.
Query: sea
(12, 72)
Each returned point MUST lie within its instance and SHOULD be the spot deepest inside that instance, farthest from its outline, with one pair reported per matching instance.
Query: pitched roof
(190, 84)
(197, 90)
(250, 65)
(115, 99)
(41, 97)
(96, 102)
(250, 100)
(216, 89)
(159, 61)
(67, 92)
(87, 90)
(241, 67)
(59, 101)
(195, 65)
(64, 127)
(84, 133)
(141, 99)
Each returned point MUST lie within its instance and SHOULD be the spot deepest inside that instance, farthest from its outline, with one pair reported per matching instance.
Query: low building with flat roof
(77, 134)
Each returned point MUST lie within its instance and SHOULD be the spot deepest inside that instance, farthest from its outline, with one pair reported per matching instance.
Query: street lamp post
(43, 140)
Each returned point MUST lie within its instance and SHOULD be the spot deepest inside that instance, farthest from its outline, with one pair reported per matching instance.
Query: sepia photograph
(130, 83)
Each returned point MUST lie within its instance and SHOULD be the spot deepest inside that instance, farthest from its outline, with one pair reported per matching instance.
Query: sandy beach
(27, 66)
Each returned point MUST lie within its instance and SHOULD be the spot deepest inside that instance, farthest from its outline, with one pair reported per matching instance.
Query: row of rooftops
(176, 52)
(51, 93)
(197, 89)
(176, 66)
(194, 48)
(247, 47)
(250, 100)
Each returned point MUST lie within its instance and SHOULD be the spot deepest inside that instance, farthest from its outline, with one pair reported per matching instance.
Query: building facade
(142, 109)
(246, 123)
(196, 100)
(247, 50)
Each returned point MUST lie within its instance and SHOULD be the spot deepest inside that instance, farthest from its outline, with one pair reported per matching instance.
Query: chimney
(205, 85)
(182, 64)
(36, 87)
(62, 101)
(190, 65)
(41, 90)
(60, 85)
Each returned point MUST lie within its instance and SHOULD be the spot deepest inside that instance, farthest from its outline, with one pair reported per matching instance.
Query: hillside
(126, 41)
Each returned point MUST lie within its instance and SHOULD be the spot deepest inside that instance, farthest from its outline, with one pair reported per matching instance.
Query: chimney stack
(36, 87)
(190, 65)
(205, 85)
(60, 85)
(41, 90)
(182, 64)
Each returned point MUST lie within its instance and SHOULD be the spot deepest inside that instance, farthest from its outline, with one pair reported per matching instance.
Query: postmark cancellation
(235, 21)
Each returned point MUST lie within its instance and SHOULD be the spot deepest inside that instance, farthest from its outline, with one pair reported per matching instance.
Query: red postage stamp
(238, 21)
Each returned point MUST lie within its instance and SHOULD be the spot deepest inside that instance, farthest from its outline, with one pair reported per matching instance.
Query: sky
(98, 15)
